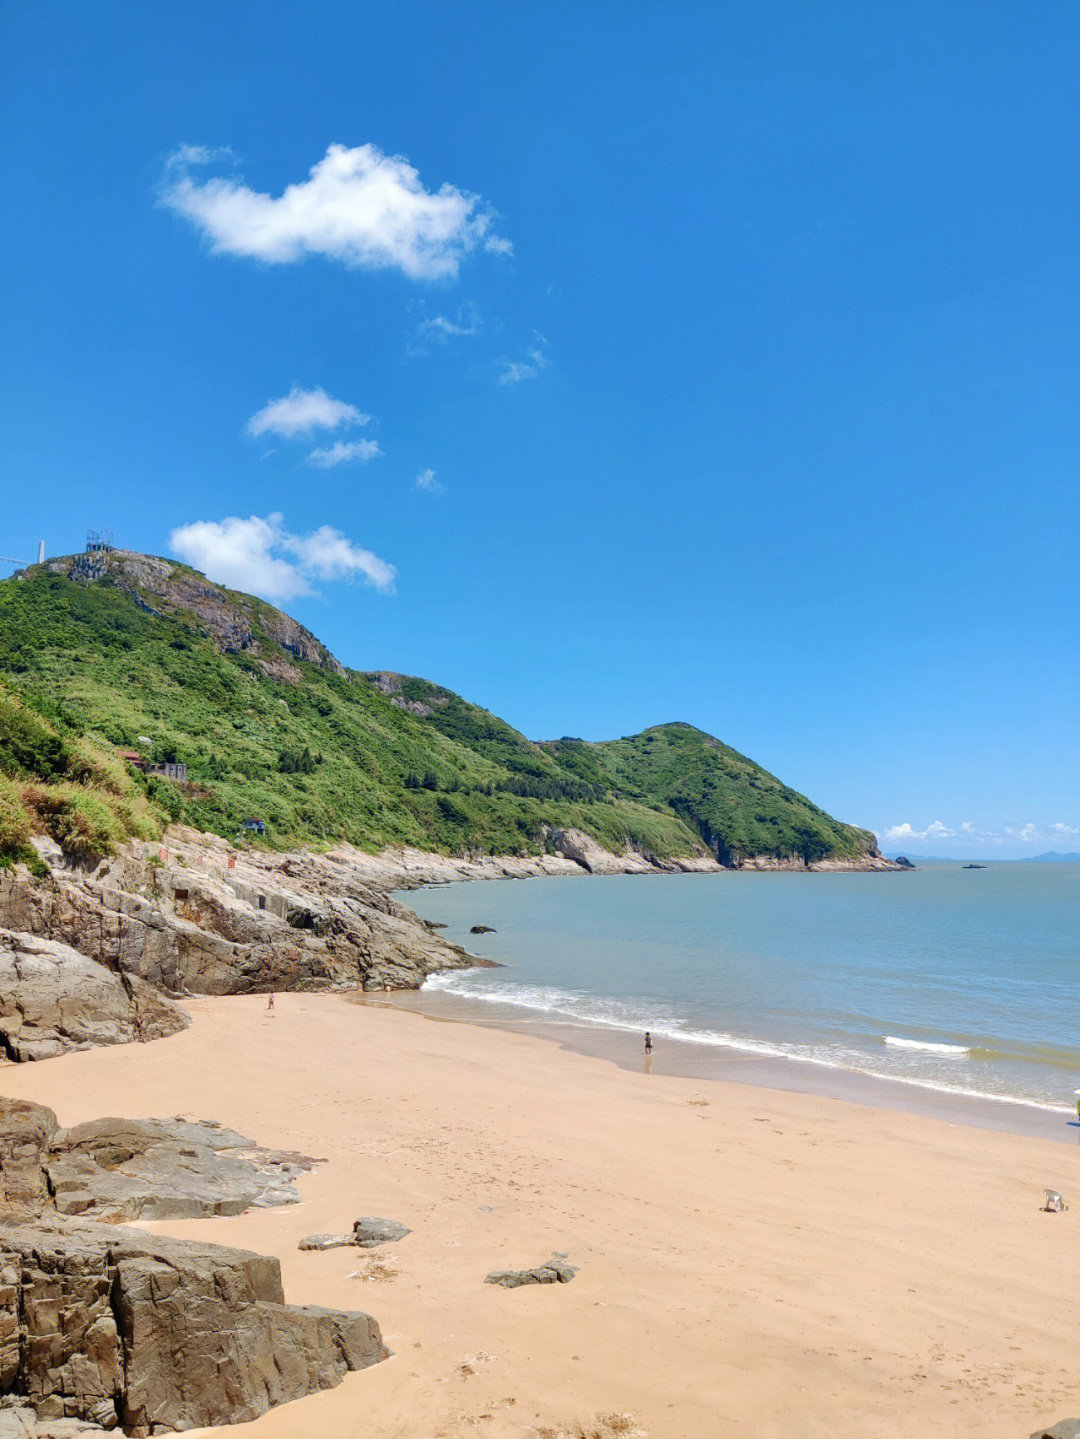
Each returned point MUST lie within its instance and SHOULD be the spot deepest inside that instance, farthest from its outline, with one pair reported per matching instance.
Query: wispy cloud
(427, 482)
(260, 555)
(344, 452)
(300, 412)
(358, 206)
(536, 359)
(438, 329)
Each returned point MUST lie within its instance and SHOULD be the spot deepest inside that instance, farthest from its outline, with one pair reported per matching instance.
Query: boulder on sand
(52, 999)
(119, 1169)
(153, 1335)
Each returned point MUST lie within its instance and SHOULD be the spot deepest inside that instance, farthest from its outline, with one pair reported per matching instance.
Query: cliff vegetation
(125, 652)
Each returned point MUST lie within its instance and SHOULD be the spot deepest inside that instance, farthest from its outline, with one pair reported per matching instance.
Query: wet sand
(711, 1062)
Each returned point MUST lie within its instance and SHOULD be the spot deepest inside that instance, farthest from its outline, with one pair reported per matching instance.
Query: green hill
(102, 653)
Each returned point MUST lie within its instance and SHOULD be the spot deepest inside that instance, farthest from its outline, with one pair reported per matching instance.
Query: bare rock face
(155, 1335)
(593, 857)
(19, 1422)
(121, 1169)
(26, 1131)
(54, 999)
(228, 619)
(208, 920)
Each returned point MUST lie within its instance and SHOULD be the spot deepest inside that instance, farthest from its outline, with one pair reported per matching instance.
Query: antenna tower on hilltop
(99, 542)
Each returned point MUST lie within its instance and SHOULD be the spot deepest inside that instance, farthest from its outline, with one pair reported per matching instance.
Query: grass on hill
(90, 667)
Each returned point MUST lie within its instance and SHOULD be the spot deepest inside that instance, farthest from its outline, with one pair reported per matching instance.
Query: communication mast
(99, 542)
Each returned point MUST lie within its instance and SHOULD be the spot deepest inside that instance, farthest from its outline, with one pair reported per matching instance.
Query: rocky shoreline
(101, 953)
(105, 1329)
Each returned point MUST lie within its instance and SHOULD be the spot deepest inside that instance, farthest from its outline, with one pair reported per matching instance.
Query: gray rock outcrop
(1063, 1429)
(53, 998)
(18, 1422)
(555, 1271)
(121, 1169)
(370, 1232)
(26, 1131)
(155, 1335)
(195, 916)
(367, 1233)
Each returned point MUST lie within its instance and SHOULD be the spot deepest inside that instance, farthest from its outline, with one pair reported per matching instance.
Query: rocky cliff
(191, 916)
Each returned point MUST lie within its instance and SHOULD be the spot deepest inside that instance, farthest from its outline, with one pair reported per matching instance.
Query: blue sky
(610, 365)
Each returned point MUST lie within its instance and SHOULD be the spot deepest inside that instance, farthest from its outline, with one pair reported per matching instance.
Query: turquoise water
(964, 981)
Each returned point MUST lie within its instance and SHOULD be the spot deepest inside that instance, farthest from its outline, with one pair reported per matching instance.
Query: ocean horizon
(957, 983)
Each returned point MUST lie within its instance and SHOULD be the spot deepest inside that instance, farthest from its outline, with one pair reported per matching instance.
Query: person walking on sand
(648, 1044)
(270, 1001)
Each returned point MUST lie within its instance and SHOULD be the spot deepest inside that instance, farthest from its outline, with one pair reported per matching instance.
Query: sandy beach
(751, 1262)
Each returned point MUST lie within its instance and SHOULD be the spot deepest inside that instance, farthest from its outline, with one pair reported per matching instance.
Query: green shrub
(88, 763)
(80, 822)
(14, 820)
(29, 747)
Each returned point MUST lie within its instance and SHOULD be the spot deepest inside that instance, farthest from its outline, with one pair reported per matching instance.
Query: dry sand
(751, 1262)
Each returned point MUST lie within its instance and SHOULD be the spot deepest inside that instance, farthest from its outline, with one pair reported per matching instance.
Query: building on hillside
(168, 770)
(99, 542)
(132, 756)
(255, 826)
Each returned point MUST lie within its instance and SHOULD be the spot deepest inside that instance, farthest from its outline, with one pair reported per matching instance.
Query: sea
(944, 988)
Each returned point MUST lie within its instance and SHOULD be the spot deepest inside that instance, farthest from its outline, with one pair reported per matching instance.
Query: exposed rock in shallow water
(119, 1169)
(156, 1335)
(53, 999)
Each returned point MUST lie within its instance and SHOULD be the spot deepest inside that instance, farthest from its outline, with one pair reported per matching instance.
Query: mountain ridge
(103, 652)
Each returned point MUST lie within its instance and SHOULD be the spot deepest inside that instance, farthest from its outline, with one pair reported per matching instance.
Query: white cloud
(1065, 831)
(358, 206)
(327, 553)
(251, 555)
(904, 831)
(426, 481)
(302, 411)
(536, 359)
(1026, 832)
(344, 452)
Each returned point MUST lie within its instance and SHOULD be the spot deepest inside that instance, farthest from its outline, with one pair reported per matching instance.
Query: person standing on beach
(270, 1001)
(648, 1043)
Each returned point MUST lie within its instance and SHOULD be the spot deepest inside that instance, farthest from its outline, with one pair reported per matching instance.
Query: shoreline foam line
(762, 1049)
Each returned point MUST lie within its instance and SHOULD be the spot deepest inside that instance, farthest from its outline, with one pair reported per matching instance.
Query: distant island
(1052, 857)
